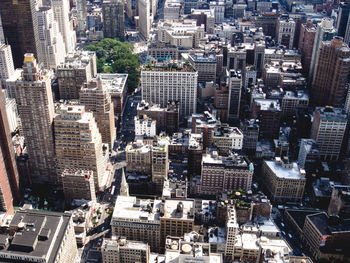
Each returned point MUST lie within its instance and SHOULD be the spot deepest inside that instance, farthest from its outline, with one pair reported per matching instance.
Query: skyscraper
(36, 110)
(96, 98)
(332, 68)
(61, 13)
(78, 143)
(324, 31)
(113, 19)
(82, 14)
(18, 20)
(343, 19)
(6, 63)
(52, 48)
(235, 90)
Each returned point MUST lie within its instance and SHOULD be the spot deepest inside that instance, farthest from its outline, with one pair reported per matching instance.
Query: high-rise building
(36, 110)
(79, 67)
(78, 143)
(160, 84)
(78, 184)
(19, 26)
(2, 37)
(52, 48)
(332, 67)
(9, 180)
(324, 31)
(96, 98)
(225, 173)
(113, 19)
(61, 13)
(7, 68)
(328, 129)
(235, 90)
(205, 65)
(40, 236)
(144, 7)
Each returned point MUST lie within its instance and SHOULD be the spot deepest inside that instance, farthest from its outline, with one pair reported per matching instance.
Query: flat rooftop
(129, 208)
(115, 83)
(179, 209)
(285, 173)
(38, 234)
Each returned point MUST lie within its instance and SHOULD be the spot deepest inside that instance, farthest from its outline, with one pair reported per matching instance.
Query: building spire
(124, 187)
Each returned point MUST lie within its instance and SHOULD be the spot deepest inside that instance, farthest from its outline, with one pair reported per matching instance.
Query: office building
(306, 44)
(176, 218)
(145, 126)
(116, 84)
(39, 236)
(160, 163)
(205, 65)
(332, 68)
(137, 219)
(343, 18)
(79, 67)
(19, 26)
(292, 101)
(219, 11)
(36, 110)
(221, 101)
(160, 50)
(96, 98)
(268, 111)
(144, 7)
(51, 44)
(285, 32)
(235, 93)
(328, 129)
(206, 17)
(250, 130)
(309, 155)
(284, 181)
(161, 83)
(173, 9)
(324, 32)
(113, 19)
(78, 184)
(61, 10)
(2, 37)
(7, 68)
(225, 173)
(119, 249)
(78, 143)
(232, 230)
(167, 118)
(81, 9)
(138, 158)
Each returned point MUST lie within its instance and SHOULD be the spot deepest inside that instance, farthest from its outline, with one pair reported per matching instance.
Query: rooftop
(172, 66)
(331, 114)
(267, 104)
(281, 171)
(129, 208)
(115, 83)
(178, 209)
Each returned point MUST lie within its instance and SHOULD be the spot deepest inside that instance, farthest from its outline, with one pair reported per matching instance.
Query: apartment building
(284, 180)
(221, 173)
(164, 82)
(79, 67)
(78, 143)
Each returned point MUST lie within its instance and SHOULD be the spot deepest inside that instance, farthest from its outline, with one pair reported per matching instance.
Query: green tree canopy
(114, 56)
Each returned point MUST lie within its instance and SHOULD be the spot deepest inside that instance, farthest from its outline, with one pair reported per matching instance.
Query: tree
(114, 56)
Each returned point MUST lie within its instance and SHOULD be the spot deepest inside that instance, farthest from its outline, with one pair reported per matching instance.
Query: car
(103, 228)
(283, 233)
(282, 224)
(290, 235)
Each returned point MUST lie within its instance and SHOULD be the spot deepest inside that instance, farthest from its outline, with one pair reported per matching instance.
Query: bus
(113, 189)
